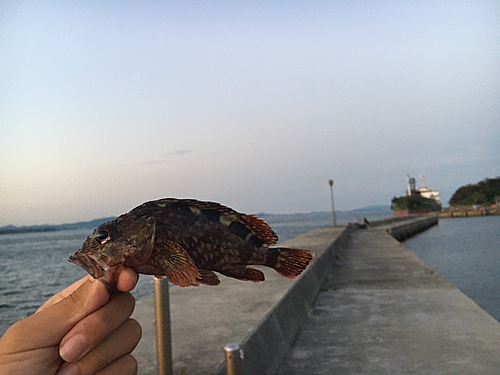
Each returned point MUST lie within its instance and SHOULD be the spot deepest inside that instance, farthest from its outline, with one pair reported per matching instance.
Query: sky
(253, 104)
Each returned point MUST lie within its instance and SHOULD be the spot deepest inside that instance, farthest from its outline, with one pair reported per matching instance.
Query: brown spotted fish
(187, 240)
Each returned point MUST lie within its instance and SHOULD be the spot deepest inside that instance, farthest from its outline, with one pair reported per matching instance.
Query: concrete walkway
(384, 311)
(205, 319)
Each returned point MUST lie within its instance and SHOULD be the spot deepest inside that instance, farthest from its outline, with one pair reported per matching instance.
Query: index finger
(127, 280)
(47, 327)
(63, 294)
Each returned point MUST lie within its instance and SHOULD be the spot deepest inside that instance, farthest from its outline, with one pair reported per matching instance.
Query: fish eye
(102, 236)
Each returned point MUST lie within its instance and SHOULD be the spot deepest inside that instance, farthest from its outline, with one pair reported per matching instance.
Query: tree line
(484, 193)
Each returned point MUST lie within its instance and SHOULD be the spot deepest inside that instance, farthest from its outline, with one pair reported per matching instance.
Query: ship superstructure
(417, 200)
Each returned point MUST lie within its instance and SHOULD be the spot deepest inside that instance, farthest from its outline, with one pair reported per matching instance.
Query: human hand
(81, 330)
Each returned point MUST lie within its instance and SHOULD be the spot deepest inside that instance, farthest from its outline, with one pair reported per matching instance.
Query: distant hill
(92, 224)
(484, 193)
(371, 212)
(379, 207)
(273, 218)
(24, 229)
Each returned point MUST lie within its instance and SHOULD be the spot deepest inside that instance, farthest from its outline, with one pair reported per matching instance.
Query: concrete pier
(384, 311)
(365, 305)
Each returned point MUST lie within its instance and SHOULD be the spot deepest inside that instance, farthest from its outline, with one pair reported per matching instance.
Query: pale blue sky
(105, 105)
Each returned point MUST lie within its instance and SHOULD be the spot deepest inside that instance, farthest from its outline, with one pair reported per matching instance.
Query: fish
(187, 241)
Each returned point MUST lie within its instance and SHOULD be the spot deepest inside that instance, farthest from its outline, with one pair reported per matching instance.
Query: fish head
(124, 241)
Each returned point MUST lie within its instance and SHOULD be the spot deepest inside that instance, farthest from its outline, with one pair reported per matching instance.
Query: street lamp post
(330, 182)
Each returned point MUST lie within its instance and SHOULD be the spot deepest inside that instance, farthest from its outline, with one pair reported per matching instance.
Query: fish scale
(187, 241)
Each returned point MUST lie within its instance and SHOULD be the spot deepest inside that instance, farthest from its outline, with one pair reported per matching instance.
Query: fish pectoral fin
(209, 278)
(245, 274)
(178, 266)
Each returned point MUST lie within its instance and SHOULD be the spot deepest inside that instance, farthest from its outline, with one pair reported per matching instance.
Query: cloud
(175, 153)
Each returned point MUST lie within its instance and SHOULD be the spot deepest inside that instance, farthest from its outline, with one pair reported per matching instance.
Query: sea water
(34, 266)
(467, 253)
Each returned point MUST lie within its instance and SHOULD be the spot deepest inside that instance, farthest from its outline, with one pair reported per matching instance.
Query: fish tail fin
(288, 262)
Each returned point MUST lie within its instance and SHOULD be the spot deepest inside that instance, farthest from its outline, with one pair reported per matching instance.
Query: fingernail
(68, 369)
(73, 348)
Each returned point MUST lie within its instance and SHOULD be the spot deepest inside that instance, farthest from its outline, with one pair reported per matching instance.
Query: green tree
(482, 193)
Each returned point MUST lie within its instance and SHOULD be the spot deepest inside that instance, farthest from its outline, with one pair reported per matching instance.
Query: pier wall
(469, 212)
(266, 346)
(406, 229)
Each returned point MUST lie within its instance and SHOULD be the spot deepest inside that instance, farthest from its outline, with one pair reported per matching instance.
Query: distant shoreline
(15, 230)
(90, 225)
(271, 218)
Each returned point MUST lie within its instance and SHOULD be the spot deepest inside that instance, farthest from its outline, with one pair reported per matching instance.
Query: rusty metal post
(163, 333)
(233, 359)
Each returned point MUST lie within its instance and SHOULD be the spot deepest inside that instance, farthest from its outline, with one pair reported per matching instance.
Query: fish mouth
(95, 266)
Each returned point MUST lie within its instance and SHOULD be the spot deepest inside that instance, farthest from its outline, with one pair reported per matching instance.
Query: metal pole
(163, 333)
(233, 359)
(330, 182)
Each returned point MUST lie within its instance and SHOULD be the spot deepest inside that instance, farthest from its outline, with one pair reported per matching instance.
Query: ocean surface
(467, 253)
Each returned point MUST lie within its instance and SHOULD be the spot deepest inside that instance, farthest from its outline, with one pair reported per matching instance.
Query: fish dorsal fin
(177, 264)
(261, 229)
(195, 204)
(255, 226)
(251, 228)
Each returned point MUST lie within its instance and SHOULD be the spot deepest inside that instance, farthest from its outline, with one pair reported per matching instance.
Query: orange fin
(288, 262)
(261, 228)
(209, 278)
(245, 274)
(177, 264)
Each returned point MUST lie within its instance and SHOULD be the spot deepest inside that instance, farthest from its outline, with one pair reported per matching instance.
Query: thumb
(48, 326)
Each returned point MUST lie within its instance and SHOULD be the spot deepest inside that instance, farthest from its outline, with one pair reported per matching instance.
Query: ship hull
(414, 205)
(411, 212)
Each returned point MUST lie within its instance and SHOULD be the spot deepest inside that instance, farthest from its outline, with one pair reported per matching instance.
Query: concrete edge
(266, 346)
(404, 230)
(391, 221)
